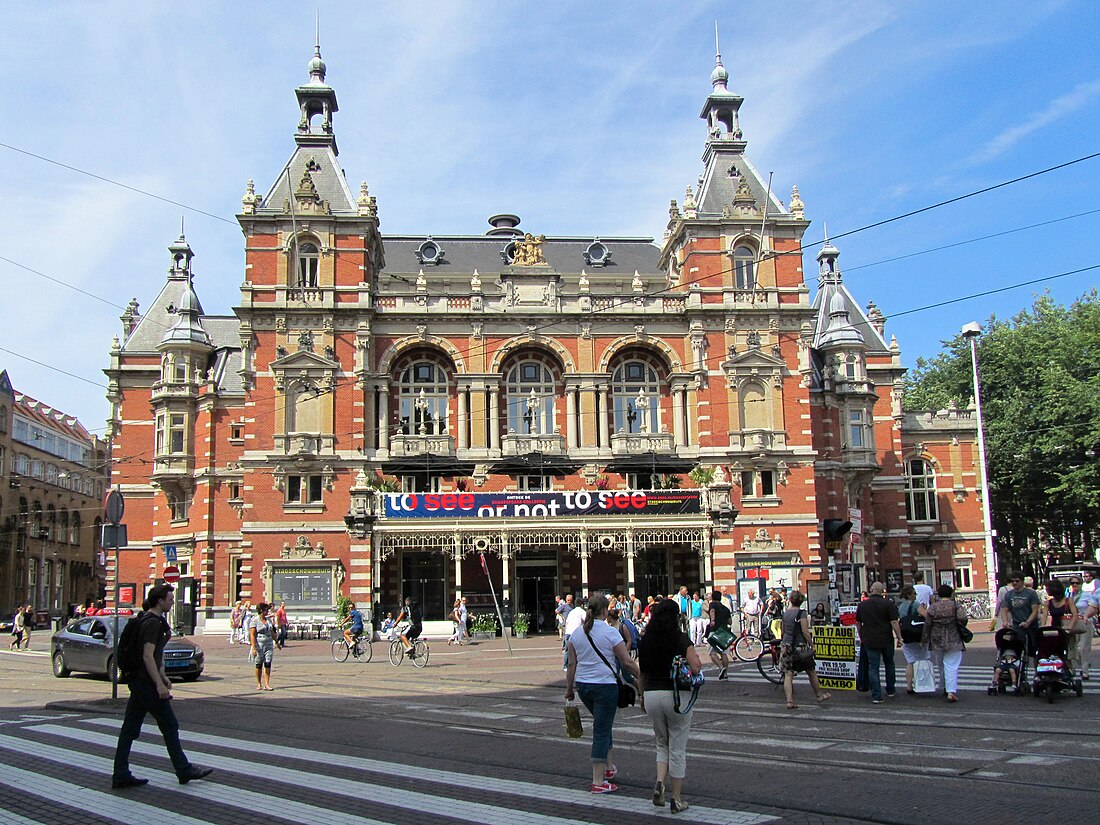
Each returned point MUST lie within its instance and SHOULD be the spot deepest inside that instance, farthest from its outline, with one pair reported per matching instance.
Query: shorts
(264, 655)
(414, 632)
(401, 628)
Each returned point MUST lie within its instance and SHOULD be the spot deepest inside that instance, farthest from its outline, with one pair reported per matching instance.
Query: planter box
(483, 635)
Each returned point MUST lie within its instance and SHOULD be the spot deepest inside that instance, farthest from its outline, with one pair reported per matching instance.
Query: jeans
(602, 702)
(885, 655)
(281, 641)
(946, 666)
(144, 700)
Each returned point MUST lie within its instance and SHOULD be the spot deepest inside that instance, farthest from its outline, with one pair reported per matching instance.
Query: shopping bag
(924, 679)
(573, 727)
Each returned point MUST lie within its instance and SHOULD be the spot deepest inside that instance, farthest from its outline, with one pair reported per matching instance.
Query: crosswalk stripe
(12, 818)
(207, 792)
(623, 804)
(104, 804)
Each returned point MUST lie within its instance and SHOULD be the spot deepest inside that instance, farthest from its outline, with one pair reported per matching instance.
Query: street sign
(170, 553)
(114, 507)
(114, 536)
(171, 575)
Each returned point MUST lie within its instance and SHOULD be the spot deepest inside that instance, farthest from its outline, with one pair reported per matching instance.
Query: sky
(581, 118)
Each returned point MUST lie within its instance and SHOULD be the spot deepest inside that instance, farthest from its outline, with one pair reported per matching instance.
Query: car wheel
(112, 672)
(59, 669)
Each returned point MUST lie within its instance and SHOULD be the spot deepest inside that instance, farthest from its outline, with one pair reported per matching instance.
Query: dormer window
(430, 252)
(744, 268)
(309, 265)
(597, 254)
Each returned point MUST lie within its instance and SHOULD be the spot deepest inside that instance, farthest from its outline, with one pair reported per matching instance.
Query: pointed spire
(719, 77)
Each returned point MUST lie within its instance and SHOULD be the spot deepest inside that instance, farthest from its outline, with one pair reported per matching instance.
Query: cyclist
(355, 627)
(720, 620)
(409, 625)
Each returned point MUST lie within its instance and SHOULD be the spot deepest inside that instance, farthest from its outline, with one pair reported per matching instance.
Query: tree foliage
(1040, 384)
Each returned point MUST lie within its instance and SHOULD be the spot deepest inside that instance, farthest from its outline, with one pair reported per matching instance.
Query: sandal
(824, 697)
(792, 706)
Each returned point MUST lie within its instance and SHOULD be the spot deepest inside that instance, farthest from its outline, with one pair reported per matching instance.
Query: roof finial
(317, 30)
(181, 226)
(825, 227)
(717, 47)
(719, 76)
(316, 64)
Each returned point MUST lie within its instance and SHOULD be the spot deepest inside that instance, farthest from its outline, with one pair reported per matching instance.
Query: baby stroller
(1010, 670)
(1053, 673)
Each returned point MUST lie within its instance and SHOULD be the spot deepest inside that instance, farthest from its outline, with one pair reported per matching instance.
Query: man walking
(1019, 609)
(924, 592)
(151, 692)
(877, 618)
(684, 600)
(283, 625)
(750, 613)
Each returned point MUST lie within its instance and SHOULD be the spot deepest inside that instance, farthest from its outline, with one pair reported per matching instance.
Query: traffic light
(835, 530)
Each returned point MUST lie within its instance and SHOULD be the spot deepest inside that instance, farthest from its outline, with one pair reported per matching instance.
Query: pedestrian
(456, 623)
(683, 600)
(28, 626)
(750, 613)
(262, 645)
(590, 651)
(698, 619)
(469, 619)
(635, 608)
(235, 623)
(17, 629)
(1080, 638)
(773, 612)
(922, 590)
(151, 693)
(877, 618)
(796, 654)
(1019, 609)
(663, 642)
(282, 625)
(1058, 611)
(562, 608)
(1089, 581)
(913, 651)
(720, 633)
(573, 622)
(941, 637)
(246, 617)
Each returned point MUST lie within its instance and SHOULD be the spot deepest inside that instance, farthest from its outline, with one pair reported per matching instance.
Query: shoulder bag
(965, 633)
(683, 679)
(802, 653)
(627, 694)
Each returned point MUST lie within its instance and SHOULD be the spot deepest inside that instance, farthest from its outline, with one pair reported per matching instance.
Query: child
(386, 630)
(1007, 663)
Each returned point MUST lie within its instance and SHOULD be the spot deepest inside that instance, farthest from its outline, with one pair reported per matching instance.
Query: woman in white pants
(660, 644)
(699, 619)
(941, 637)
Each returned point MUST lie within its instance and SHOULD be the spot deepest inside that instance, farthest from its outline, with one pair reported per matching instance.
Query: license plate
(177, 663)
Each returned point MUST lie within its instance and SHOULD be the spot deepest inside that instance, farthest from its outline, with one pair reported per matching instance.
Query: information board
(302, 586)
(835, 656)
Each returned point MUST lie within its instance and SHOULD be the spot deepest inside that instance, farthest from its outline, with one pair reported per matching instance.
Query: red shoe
(606, 787)
(611, 773)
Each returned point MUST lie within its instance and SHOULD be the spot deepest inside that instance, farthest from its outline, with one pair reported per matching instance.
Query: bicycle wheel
(397, 652)
(364, 650)
(748, 648)
(420, 653)
(769, 668)
(340, 650)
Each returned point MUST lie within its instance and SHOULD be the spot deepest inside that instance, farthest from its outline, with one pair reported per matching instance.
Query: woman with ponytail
(592, 653)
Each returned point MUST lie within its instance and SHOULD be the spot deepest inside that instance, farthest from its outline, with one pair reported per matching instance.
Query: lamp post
(971, 332)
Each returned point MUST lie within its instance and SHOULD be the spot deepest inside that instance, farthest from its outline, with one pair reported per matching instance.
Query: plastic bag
(573, 727)
(924, 680)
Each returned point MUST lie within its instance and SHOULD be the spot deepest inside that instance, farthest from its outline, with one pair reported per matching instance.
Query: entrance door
(651, 573)
(422, 578)
(537, 588)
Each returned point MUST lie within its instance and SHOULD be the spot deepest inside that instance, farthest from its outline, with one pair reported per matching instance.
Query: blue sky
(579, 117)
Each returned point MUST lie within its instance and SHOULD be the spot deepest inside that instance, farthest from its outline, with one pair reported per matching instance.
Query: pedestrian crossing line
(207, 792)
(104, 804)
(547, 793)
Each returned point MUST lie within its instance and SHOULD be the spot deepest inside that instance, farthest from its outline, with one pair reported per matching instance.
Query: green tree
(1040, 378)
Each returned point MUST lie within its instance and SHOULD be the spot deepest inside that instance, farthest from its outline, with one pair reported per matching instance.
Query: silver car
(87, 646)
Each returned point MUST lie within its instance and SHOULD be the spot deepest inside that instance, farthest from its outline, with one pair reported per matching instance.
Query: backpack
(130, 652)
(912, 625)
(633, 628)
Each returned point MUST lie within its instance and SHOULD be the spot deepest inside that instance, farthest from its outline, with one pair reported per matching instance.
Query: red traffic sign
(114, 507)
(171, 574)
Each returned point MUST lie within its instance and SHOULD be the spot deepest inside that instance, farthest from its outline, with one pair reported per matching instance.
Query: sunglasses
(1074, 581)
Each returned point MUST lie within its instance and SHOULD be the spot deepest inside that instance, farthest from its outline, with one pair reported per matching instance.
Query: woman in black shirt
(662, 642)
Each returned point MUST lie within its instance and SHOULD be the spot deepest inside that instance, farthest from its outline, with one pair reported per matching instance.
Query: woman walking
(1058, 611)
(698, 619)
(1080, 639)
(590, 654)
(662, 642)
(235, 623)
(941, 637)
(797, 651)
(262, 640)
(456, 624)
(913, 651)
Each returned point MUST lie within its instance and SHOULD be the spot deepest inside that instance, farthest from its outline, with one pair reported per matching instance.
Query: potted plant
(485, 626)
(520, 625)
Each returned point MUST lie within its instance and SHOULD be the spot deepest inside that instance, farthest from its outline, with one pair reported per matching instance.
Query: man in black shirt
(410, 624)
(720, 619)
(877, 618)
(151, 692)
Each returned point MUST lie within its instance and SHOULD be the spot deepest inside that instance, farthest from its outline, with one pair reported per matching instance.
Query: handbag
(802, 653)
(965, 633)
(720, 638)
(682, 679)
(627, 694)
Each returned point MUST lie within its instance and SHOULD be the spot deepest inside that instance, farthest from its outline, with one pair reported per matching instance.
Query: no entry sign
(171, 574)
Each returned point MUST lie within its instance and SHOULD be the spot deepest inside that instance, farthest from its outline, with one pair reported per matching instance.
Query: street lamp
(971, 332)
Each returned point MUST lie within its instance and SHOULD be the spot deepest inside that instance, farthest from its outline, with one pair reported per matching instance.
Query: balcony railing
(411, 445)
(757, 440)
(641, 443)
(172, 465)
(521, 444)
(305, 444)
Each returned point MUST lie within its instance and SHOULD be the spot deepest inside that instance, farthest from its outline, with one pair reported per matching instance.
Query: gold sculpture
(528, 252)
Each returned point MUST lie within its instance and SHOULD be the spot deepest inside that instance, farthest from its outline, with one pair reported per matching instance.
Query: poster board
(835, 657)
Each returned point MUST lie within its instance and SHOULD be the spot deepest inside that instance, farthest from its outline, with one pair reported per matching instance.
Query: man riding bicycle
(409, 625)
(355, 629)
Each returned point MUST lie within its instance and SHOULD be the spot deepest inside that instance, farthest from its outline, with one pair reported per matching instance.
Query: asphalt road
(477, 736)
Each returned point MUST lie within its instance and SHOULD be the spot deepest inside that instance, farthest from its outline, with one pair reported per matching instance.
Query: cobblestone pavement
(477, 736)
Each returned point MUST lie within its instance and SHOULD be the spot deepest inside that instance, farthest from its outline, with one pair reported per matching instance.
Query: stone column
(458, 566)
(384, 418)
(505, 578)
(584, 572)
(571, 418)
(630, 554)
(708, 569)
(604, 395)
(678, 416)
(494, 418)
(463, 419)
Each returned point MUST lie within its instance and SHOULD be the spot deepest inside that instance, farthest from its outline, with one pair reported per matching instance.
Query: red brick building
(587, 412)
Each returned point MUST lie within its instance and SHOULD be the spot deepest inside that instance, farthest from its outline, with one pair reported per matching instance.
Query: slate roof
(51, 418)
(328, 178)
(856, 316)
(157, 320)
(719, 187)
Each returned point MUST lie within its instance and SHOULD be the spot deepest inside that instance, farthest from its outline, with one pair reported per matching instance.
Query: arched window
(529, 394)
(744, 268)
(309, 264)
(304, 408)
(422, 390)
(920, 491)
(635, 397)
(755, 414)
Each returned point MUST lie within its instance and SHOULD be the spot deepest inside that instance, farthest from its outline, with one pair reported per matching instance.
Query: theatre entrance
(536, 586)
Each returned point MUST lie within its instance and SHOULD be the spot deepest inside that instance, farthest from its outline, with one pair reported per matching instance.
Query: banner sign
(542, 505)
(835, 656)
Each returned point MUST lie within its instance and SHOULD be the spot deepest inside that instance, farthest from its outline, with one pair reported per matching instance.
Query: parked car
(86, 645)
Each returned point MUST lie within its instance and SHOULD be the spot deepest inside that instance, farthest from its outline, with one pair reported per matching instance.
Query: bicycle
(749, 646)
(419, 653)
(362, 650)
(768, 663)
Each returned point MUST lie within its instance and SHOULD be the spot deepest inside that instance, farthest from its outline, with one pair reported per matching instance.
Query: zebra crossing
(72, 763)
